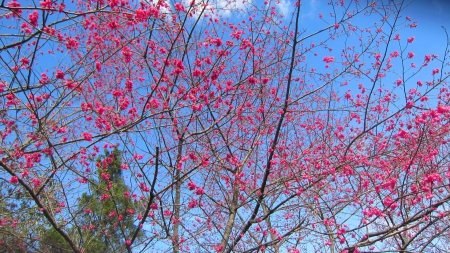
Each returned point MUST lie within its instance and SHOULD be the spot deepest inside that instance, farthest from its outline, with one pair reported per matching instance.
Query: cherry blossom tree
(241, 126)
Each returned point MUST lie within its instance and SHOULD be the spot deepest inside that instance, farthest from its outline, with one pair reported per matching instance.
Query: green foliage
(14, 232)
(108, 211)
(53, 242)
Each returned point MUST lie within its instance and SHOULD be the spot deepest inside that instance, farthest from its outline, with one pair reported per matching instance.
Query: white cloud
(312, 9)
(219, 7)
(285, 7)
(166, 6)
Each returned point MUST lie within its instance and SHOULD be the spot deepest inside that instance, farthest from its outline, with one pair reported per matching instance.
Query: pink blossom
(394, 54)
(70, 84)
(59, 74)
(105, 176)
(179, 7)
(197, 73)
(98, 66)
(129, 85)
(36, 182)
(142, 15)
(199, 191)
(87, 136)
(410, 39)
(219, 248)
(252, 80)
(113, 3)
(193, 203)
(192, 186)
(62, 6)
(72, 44)
(154, 206)
(104, 196)
(44, 79)
(117, 93)
(217, 41)
(328, 59)
(144, 187)
(435, 71)
(14, 3)
(154, 103)
(410, 55)
(25, 61)
(14, 180)
(126, 52)
(33, 17)
(207, 60)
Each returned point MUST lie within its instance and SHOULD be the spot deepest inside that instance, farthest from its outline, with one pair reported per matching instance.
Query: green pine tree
(108, 212)
(15, 227)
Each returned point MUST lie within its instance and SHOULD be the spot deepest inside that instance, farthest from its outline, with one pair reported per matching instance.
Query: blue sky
(431, 15)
